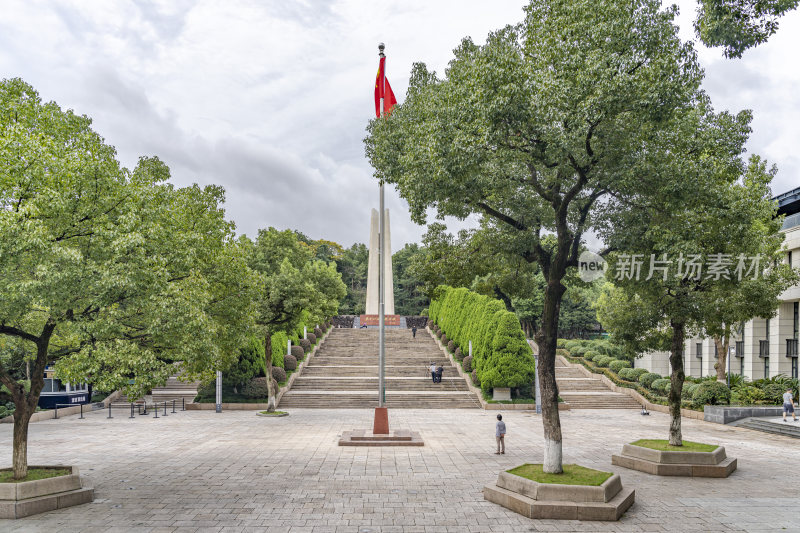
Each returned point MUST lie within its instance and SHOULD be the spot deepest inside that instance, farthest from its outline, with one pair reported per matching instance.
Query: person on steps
(433, 371)
(414, 332)
(439, 371)
(500, 434)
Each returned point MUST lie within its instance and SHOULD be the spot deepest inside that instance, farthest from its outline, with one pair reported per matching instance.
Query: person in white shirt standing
(500, 433)
(788, 404)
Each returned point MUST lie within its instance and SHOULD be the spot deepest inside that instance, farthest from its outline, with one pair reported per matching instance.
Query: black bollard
(109, 411)
(132, 415)
(173, 406)
(183, 404)
(81, 411)
(56, 417)
(155, 409)
(165, 408)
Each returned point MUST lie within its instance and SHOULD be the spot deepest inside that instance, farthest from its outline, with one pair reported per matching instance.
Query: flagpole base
(381, 423)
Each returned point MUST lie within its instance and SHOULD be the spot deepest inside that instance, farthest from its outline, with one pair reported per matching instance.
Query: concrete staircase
(177, 390)
(344, 374)
(767, 425)
(583, 392)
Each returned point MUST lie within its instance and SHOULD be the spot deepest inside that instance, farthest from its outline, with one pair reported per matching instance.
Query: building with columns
(761, 348)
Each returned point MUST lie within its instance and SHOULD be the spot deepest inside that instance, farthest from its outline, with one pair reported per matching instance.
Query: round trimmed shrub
(451, 346)
(773, 393)
(747, 395)
(279, 374)
(312, 339)
(648, 378)
(618, 365)
(475, 379)
(625, 373)
(289, 362)
(430, 324)
(318, 333)
(444, 339)
(636, 373)
(298, 353)
(688, 390)
(458, 355)
(562, 352)
(579, 350)
(467, 364)
(561, 343)
(256, 388)
(591, 355)
(661, 385)
(711, 393)
(306, 344)
(602, 361)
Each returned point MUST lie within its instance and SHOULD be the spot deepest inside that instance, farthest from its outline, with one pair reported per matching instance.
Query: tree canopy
(533, 128)
(738, 25)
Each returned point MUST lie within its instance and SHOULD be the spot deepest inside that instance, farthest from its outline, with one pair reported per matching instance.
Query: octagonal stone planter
(27, 498)
(607, 502)
(676, 463)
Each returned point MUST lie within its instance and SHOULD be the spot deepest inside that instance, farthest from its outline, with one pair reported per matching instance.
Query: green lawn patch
(663, 445)
(273, 413)
(573, 475)
(7, 474)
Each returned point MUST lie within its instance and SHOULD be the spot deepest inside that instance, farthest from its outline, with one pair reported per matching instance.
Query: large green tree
(738, 25)
(291, 282)
(533, 128)
(111, 274)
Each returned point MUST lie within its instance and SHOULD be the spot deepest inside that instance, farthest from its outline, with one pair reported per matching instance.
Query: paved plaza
(203, 471)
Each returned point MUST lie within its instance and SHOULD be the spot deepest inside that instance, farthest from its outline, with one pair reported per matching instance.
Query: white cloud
(270, 99)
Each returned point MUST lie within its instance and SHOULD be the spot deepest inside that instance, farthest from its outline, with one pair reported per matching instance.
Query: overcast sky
(270, 99)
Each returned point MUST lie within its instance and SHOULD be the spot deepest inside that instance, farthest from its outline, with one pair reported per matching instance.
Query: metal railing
(140, 407)
(791, 221)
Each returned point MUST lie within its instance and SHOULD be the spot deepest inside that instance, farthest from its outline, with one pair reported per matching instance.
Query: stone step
(580, 384)
(788, 429)
(371, 383)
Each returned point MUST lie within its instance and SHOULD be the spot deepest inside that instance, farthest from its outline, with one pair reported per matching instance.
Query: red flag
(383, 90)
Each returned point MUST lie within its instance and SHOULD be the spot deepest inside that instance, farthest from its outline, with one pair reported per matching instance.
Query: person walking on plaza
(433, 371)
(500, 433)
(414, 332)
(788, 405)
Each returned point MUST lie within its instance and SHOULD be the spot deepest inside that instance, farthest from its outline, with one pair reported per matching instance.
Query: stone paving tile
(199, 471)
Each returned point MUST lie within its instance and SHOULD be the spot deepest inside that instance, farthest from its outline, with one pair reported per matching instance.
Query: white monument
(373, 290)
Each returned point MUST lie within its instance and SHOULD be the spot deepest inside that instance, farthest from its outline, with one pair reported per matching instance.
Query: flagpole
(381, 262)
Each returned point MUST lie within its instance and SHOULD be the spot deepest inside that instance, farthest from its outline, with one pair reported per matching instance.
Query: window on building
(791, 347)
(796, 319)
(794, 367)
(763, 348)
(741, 366)
(789, 258)
(716, 351)
(767, 329)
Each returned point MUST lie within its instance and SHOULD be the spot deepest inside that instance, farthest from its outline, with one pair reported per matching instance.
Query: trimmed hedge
(661, 385)
(451, 346)
(298, 353)
(458, 355)
(501, 354)
(711, 393)
(618, 364)
(467, 364)
(318, 332)
(306, 344)
(603, 361)
(648, 378)
(289, 363)
(312, 339)
(279, 374)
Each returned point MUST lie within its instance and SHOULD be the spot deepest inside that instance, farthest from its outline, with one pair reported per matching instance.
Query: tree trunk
(546, 339)
(676, 383)
(268, 358)
(22, 417)
(722, 344)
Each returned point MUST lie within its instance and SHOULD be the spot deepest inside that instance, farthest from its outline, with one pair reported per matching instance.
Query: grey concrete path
(202, 471)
